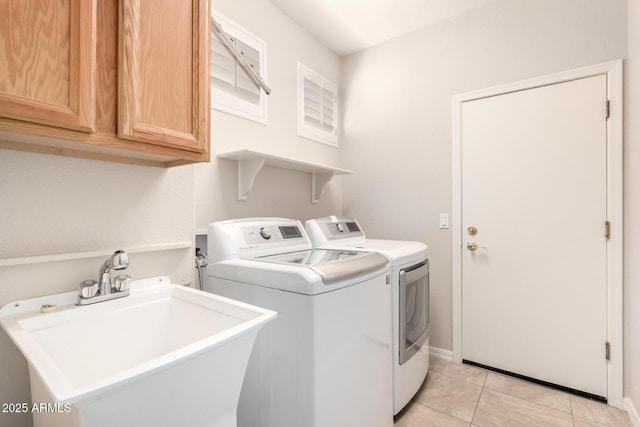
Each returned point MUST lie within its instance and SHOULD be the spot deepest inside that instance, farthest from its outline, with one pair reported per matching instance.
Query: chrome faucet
(92, 291)
(118, 261)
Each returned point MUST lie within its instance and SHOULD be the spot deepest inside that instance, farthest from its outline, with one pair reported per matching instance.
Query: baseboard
(439, 353)
(631, 410)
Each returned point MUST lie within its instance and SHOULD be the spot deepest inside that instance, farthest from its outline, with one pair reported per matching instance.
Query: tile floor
(461, 395)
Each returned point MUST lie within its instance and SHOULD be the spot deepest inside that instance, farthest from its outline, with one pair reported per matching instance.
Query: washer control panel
(265, 232)
(255, 237)
(270, 233)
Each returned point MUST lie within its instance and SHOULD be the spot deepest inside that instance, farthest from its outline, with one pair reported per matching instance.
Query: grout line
(473, 417)
(426, 405)
(445, 413)
(460, 379)
(484, 383)
(541, 405)
(530, 400)
(571, 406)
(463, 379)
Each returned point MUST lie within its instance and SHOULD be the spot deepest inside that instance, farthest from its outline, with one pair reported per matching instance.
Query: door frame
(613, 71)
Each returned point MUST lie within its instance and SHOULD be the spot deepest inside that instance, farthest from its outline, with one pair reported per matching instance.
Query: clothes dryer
(325, 360)
(410, 297)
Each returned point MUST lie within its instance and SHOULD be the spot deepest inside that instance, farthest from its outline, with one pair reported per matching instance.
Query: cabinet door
(163, 72)
(47, 52)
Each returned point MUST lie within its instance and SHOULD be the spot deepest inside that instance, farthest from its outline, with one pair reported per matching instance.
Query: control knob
(264, 232)
(340, 227)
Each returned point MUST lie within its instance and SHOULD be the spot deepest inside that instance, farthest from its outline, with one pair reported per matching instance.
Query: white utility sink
(166, 355)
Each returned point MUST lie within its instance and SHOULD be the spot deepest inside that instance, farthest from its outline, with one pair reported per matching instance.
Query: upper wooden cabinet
(117, 80)
(48, 53)
(163, 73)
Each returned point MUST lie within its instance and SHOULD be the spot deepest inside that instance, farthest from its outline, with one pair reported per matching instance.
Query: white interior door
(534, 186)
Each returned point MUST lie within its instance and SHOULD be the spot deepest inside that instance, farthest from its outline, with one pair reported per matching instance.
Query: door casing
(613, 71)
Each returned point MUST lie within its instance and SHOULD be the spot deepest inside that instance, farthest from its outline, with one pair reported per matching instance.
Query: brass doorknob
(472, 246)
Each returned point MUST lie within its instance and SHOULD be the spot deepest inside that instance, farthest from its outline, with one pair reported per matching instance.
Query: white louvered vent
(317, 107)
(232, 89)
(227, 75)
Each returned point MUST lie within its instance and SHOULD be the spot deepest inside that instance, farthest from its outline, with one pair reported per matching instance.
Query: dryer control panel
(333, 228)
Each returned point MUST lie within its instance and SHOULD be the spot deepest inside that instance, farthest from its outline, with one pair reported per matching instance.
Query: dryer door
(414, 309)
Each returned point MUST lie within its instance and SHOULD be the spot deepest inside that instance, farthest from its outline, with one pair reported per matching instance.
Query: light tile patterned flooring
(461, 395)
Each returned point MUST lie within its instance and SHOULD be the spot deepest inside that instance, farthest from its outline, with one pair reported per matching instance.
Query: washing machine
(324, 361)
(410, 297)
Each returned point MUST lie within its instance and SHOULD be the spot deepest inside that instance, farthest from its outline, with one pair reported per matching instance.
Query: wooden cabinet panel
(114, 80)
(47, 52)
(107, 67)
(163, 72)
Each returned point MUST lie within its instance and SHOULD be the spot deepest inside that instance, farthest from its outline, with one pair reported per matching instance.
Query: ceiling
(347, 26)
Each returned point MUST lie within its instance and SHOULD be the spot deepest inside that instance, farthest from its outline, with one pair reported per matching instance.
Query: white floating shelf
(251, 162)
(4, 262)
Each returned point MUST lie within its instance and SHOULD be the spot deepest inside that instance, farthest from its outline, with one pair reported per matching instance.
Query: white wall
(397, 103)
(276, 192)
(397, 109)
(59, 205)
(632, 213)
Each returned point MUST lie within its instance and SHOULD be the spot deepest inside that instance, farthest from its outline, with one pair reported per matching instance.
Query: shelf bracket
(318, 182)
(247, 172)
(251, 162)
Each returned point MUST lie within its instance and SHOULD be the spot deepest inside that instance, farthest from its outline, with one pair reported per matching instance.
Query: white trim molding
(440, 353)
(631, 410)
(613, 71)
(36, 259)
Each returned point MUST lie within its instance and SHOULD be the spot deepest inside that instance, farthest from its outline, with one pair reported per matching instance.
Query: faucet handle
(119, 260)
(88, 288)
(121, 282)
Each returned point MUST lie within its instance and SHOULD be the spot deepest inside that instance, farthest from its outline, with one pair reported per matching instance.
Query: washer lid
(296, 277)
(331, 265)
(345, 233)
(399, 252)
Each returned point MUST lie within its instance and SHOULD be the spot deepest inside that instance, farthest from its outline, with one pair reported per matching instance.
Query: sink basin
(166, 355)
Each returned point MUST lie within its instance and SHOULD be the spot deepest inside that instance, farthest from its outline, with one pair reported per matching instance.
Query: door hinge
(607, 229)
(607, 350)
(608, 109)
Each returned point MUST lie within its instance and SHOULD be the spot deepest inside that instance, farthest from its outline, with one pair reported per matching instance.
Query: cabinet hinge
(607, 350)
(608, 109)
(607, 229)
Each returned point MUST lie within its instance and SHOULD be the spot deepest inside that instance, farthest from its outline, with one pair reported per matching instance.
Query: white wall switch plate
(444, 220)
